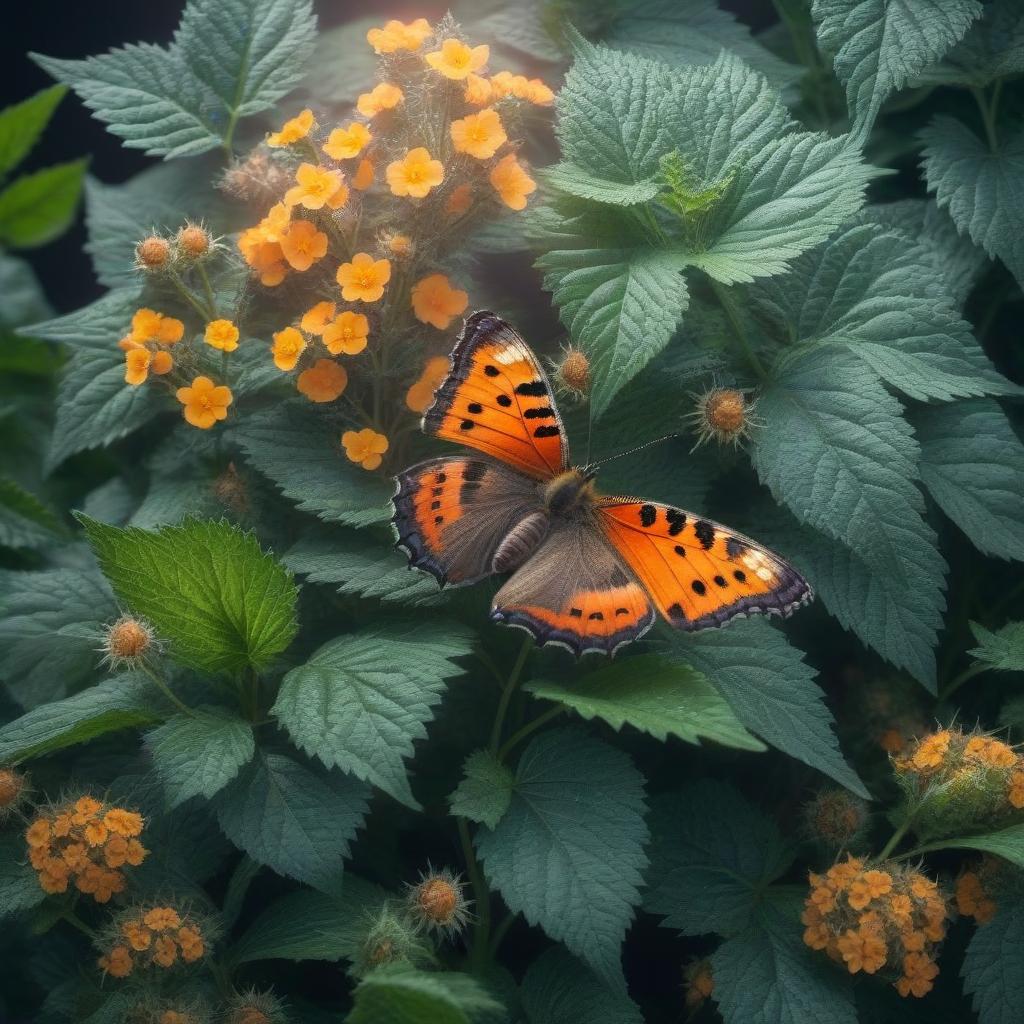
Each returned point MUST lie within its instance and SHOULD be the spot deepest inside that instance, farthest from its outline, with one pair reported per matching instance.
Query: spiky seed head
(127, 641)
(723, 415)
(437, 902)
(194, 241)
(152, 253)
(572, 373)
(13, 786)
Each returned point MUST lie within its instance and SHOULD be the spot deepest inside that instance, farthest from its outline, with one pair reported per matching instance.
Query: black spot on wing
(466, 425)
(734, 548)
(474, 471)
(720, 581)
(705, 533)
(547, 431)
(532, 389)
(543, 412)
(648, 515)
(475, 408)
(504, 401)
(699, 588)
(676, 521)
(491, 371)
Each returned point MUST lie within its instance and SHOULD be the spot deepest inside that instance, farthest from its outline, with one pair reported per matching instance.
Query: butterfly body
(589, 572)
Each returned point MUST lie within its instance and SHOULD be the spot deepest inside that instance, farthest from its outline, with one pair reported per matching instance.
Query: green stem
(73, 919)
(895, 838)
(988, 109)
(481, 895)
(530, 727)
(725, 299)
(207, 290)
(500, 932)
(190, 298)
(166, 690)
(957, 681)
(507, 692)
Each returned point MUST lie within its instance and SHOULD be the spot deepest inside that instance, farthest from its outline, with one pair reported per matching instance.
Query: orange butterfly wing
(497, 399)
(699, 574)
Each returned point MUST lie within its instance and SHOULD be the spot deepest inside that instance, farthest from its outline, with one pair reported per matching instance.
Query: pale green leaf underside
(1008, 843)
(403, 995)
(485, 790)
(1003, 649)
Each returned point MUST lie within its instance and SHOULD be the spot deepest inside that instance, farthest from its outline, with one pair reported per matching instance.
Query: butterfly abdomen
(520, 542)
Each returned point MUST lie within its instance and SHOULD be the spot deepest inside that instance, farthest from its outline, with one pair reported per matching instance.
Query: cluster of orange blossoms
(85, 843)
(699, 982)
(155, 935)
(871, 919)
(421, 393)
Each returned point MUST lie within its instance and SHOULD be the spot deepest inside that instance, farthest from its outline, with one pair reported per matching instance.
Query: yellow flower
(137, 853)
(511, 182)
(347, 334)
(460, 200)
(345, 143)
(115, 852)
(266, 258)
(148, 325)
(384, 96)
(161, 363)
(95, 833)
(478, 91)
(222, 334)
(315, 187)
(931, 750)
(38, 834)
(165, 951)
(162, 919)
(435, 302)
(396, 36)
(365, 447)
(275, 223)
(324, 381)
(288, 346)
(136, 366)
(363, 178)
(539, 93)
(415, 174)
(315, 320)
(292, 131)
(364, 278)
(191, 942)
(205, 403)
(480, 135)
(117, 963)
(456, 60)
(86, 808)
(303, 244)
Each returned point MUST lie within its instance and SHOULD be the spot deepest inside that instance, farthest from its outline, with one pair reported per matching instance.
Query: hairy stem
(166, 690)
(517, 737)
(481, 896)
(728, 305)
(506, 694)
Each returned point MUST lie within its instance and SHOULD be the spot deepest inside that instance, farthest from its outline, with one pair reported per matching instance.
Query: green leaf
(301, 453)
(25, 522)
(307, 925)
(37, 207)
(772, 691)
(877, 45)
(19, 886)
(1003, 649)
(361, 700)
(980, 187)
(96, 326)
(199, 754)
(766, 975)
(654, 693)
(21, 124)
(51, 628)
(558, 988)
(298, 822)
(568, 854)
(23, 298)
(712, 855)
(400, 995)
(993, 968)
(207, 588)
(485, 791)
(1008, 843)
(122, 702)
(992, 49)
(575, 181)
(972, 463)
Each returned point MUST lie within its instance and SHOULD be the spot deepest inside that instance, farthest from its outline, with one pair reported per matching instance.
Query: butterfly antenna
(590, 432)
(630, 451)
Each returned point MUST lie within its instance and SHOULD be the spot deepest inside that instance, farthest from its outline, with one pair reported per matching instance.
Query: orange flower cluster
(158, 935)
(980, 887)
(699, 982)
(146, 344)
(85, 843)
(888, 919)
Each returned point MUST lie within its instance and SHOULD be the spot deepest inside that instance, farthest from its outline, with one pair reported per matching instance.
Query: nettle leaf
(992, 49)
(207, 588)
(24, 300)
(877, 45)
(772, 691)
(19, 884)
(980, 187)
(766, 975)
(361, 700)
(96, 326)
(558, 988)
(993, 968)
(301, 453)
(657, 694)
(712, 857)
(409, 996)
(51, 628)
(1003, 649)
(574, 181)
(568, 854)
(485, 791)
(294, 820)
(37, 207)
(25, 522)
(972, 463)
(1007, 843)
(21, 125)
(199, 754)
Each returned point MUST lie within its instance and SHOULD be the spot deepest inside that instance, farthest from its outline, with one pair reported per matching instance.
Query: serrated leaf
(1002, 649)
(766, 975)
(993, 48)
(22, 123)
(575, 181)
(199, 754)
(24, 300)
(712, 856)
(972, 463)
(19, 884)
(96, 326)
(877, 45)
(37, 207)
(772, 691)
(25, 522)
(980, 188)
(299, 452)
(406, 996)
(528, 28)
(294, 820)
(993, 968)
(654, 693)
(122, 702)
(361, 700)
(207, 588)
(568, 854)
(558, 988)
(307, 925)
(1007, 843)
(485, 790)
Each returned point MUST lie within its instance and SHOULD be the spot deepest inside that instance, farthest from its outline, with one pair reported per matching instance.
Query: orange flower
(315, 187)
(345, 143)
(191, 942)
(364, 278)
(138, 935)
(62, 825)
(161, 363)
(931, 750)
(365, 447)
(892, 741)
(400, 246)
(972, 900)
(162, 919)
(264, 257)
(1016, 792)
(841, 875)
(511, 182)
(205, 403)
(363, 178)
(456, 60)
(415, 174)
(274, 225)
(396, 36)
(148, 325)
(222, 334)
(115, 853)
(315, 320)
(435, 302)
(851, 947)
(86, 808)
(118, 962)
(539, 93)
(324, 381)
(874, 952)
(918, 974)
(76, 856)
(990, 751)
(478, 91)
(292, 131)
(136, 366)
(460, 200)
(382, 97)
(137, 853)
(347, 334)
(480, 135)
(165, 951)
(900, 906)
(504, 84)
(302, 244)
(288, 346)
(95, 833)
(421, 394)
(923, 888)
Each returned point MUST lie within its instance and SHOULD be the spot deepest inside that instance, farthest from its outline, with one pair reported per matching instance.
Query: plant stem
(481, 895)
(988, 109)
(725, 299)
(73, 919)
(530, 727)
(501, 931)
(187, 295)
(166, 690)
(957, 681)
(506, 694)
(895, 838)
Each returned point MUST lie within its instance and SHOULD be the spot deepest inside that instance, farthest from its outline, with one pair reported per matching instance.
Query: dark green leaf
(1003, 649)
(557, 988)
(993, 968)
(1008, 843)
(19, 886)
(25, 522)
(485, 791)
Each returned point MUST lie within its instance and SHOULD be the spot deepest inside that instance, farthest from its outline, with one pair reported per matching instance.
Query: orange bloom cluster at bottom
(158, 935)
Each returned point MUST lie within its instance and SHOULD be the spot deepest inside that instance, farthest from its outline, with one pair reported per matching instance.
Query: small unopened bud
(254, 1007)
(153, 253)
(401, 247)
(390, 938)
(12, 790)
(194, 241)
(835, 818)
(230, 490)
(437, 903)
(572, 373)
(699, 984)
(255, 179)
(723, 415)
(127, 642)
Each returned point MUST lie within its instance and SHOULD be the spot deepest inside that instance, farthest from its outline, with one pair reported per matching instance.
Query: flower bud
(152, 253)
(400, 247)
(390, 938)
(255, 1007)
(437, 903)
(127, 642)
(230, 490)
(194, 241)
(835, 818)
(572, 374)
(699, 984)
(723, 415)
(12, 791)
(255, 179)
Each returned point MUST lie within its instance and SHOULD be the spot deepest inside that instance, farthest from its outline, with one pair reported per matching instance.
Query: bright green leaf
(557, 988)
(1003, 649)
(485, 791)
(21, 124)
(402, 995)
(37, 207)
(993, 967)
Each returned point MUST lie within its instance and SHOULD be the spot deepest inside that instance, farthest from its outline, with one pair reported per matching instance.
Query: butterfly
(588, 572)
